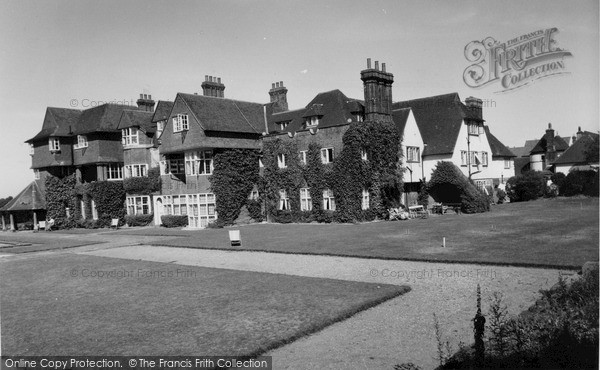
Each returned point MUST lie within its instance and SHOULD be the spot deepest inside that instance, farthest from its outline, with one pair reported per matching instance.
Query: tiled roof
(163, 110)
(226, 115)
(141, 119)
(540, 147)
(29, 199)
(523, 151)
(521, 163)
(439, 119)
(333, 108)
(57, 122)
(577, 153)
(400, 117)
(103, 118)
(498, 149)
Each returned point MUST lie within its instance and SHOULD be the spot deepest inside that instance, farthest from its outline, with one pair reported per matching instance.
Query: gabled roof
(498, 149)
(103, 118)
(57, 122)
(137, 118)
(439, 119)
(523, 151)
(332, 107)
(400, 117)
(29, 199)
(540, 147)
(226, 115)
(577, 153)
(163, 110)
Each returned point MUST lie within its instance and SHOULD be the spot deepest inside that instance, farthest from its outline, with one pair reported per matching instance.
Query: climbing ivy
(144, 185)
(275, 179)
(316, 174)
(60, 195)
(235, 173)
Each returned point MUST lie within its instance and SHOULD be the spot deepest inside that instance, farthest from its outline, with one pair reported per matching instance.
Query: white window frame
(328, 200)
(281, 160)
(359, 117)
(94, 210)
(326, 155)
(484, 159)
(175, 166)
(54, 144)
(473, 129)
(305, 200)
(82, 206)
(36, 174)
(365, 199)
(31, 149)
(130, 136)
(254, 195)
(413, 154)
(139, 205)
(363, 154)
(199, 162)
(136, 170)
(201, 210)
(284, 201)
(507, 164)
(464, 158)
(81, 142)
(283, 125)
(312, 121)
(303, 154)
(181, 123)
(114, 171)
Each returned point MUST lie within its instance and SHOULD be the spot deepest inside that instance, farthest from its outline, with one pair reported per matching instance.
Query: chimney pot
(377, 65)
(150, 97)
(141, 96)
(205, 77)
(273, 85)
(549, 125)
(383, 67)
(368, 63)
(579, 128)
(280, 83)
(219, 80)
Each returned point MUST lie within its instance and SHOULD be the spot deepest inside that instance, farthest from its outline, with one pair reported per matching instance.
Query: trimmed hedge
(174, 221)
(449, 185)
(580, 182)
(528, 186)
(139, 220)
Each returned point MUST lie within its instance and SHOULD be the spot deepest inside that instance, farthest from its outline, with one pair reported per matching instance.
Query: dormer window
(54, 144)
(283, 125)
(281, 161)
(473, 129)
(180, 123)
(312, 121)
(130, 136)
(81, 142)
(359, 117)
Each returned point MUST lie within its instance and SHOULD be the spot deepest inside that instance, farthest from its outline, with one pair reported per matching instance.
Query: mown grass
(51, 305)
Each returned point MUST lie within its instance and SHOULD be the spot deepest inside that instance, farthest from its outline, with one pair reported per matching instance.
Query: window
(475, 159)
(253, 195)
(328, 200)
(363, 154)
(54, 144)
(94, 210)
(115, 172)
(201, 209)
(303, 156)
(82, 207)
(260, 163)
(31, 149)
(305, 200)
(326, 155)
(36, 174)
(413, 154)
(81, 142)
(180, 123)
(312, 121)
(199, 162)
(179, 205)
(283, 125)
(365, 199)
(160, 127)
(136, 170)
(129, 136)
(507, 163)
(359, 117)
(463, 158)
(175, 166)
(281, 161)
(484, 158)
(481, 184)
(473, 129)
(138, 205)
(284, 201)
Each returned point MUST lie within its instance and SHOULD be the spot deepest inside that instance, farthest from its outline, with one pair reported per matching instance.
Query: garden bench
(234, 237)
(114, 223)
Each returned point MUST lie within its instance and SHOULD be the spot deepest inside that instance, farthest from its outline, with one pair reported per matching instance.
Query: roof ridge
(246, 119)
(225, 99)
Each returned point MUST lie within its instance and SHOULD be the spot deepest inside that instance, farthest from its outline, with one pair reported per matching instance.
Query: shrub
(559, 180)
(322, 216)
(423, 197)
(525, 187)
(139, 220)
(174, 221)
(581, 182)
(449, 185)
(501, 194)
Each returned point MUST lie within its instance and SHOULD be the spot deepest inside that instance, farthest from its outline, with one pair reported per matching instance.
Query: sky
(81, 53)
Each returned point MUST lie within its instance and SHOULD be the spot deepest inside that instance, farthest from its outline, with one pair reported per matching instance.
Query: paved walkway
(397, 331)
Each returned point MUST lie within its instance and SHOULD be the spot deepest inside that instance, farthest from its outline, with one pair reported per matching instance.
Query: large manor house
(114, 142)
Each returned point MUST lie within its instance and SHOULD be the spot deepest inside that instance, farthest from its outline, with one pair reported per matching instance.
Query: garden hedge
(449, 185)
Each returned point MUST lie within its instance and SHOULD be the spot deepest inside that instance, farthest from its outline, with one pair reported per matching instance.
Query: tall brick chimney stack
(579, 132)
(278, 95)
(475, 106)
(145, 103)
(212, 86)
(550, 145)
(378, 92)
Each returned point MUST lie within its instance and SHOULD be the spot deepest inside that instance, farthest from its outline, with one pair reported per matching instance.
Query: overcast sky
(77, 53)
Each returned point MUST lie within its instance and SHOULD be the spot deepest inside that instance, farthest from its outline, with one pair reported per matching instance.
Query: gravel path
(397, 331)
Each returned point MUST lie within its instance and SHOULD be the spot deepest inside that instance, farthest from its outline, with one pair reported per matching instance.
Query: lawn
(561, 232)
(50, 305)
